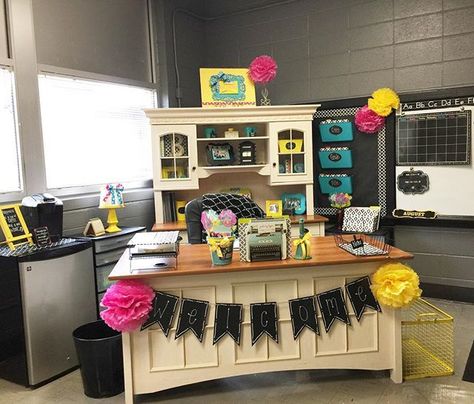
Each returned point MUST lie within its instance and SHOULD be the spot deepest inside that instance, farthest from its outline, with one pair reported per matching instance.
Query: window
(10, 161)
(94, 132)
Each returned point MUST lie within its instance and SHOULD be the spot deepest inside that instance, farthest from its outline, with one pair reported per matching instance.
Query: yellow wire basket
(427, 341)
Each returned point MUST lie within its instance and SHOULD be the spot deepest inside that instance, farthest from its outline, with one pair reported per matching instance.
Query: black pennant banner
(264, 320)
(303, 314)
(192, 316)
(164, 307)
(228, 321)
(361, 296)
(332, 306)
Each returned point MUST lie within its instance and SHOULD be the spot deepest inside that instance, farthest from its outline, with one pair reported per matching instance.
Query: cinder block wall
(330, 49)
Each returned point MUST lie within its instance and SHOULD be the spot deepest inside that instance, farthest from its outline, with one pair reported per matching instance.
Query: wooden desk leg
(396, 373)
(127, 367)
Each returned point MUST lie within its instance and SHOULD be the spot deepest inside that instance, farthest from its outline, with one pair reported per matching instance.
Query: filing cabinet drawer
(102, 274)
(112, 243)
(109, 257)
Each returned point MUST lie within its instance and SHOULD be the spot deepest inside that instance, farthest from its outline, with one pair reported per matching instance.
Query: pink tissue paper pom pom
(263, 69)
(368, 121)
(128, 304)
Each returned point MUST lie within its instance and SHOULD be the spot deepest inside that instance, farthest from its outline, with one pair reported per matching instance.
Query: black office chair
(242, 206)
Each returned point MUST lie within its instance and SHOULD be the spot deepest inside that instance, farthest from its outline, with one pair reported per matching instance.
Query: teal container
(336, 131)
(333, 184)
(227, 252)
(335, 158)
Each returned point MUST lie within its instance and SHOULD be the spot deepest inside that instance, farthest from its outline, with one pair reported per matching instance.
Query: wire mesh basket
(427, 341)
(362, 244)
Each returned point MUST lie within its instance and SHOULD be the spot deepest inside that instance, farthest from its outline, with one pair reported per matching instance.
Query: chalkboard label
(228, 321)
(264, 320)
(41, 236)
(332, 306)
(13, 222)
(413, 182)
(290, 145)
(357, 243)
(335, 130)
(414, 214)
(192, 317)
(164, 307)
(361, 296)
(334, 156)
(334, 182)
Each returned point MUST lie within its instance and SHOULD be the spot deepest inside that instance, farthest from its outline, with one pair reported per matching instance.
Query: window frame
(85, 190)
(15, 195)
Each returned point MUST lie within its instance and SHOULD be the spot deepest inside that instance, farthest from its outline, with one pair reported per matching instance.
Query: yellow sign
(225, 87)
(14, 226)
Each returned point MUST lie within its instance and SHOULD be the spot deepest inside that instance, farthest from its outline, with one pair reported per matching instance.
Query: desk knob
(194, 168)
(274, 164)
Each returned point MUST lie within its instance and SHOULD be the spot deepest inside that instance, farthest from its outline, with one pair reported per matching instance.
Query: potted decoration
(340, 201)
(262, 70)
(220, 229)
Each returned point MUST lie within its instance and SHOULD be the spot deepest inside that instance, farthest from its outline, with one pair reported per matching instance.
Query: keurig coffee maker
(44, 210)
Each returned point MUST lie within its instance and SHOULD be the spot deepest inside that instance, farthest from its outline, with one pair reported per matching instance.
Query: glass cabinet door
(175, 157)
(291, 146)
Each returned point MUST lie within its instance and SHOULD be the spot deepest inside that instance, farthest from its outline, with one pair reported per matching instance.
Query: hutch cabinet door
(291, 149)
(174, 157)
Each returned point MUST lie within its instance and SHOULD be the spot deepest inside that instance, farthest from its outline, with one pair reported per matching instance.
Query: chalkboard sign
(13, 222)
(41, 236)
(413, 182)
(13, 225)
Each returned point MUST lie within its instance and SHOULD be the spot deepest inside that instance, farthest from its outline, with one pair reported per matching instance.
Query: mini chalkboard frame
(11, 239)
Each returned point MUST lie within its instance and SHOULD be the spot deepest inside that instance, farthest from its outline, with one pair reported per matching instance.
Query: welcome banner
(263, 315)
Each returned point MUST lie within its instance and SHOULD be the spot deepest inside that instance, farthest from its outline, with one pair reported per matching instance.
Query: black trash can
(99, 351)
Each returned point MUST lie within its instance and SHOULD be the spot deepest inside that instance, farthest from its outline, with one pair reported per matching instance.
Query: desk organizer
(427, 341)
(336, 130)
(335, 157)
(335, 183)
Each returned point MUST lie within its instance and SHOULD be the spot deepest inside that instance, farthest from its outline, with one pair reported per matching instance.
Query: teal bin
(336, 131)
(333, 184)
(339, 157)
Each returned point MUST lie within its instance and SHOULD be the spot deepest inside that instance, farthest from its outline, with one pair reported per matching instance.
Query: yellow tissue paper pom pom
(378, 107)
(387, 97)
(395, 285)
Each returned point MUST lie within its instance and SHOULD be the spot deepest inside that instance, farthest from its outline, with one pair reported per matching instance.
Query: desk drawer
(109, 257)
(112, 243)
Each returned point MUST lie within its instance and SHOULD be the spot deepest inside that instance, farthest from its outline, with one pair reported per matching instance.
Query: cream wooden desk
(153, 362)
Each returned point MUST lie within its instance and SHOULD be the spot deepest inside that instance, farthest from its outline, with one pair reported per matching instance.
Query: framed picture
(220, 154)
(226, 87)
(294, 202)
(274, 208)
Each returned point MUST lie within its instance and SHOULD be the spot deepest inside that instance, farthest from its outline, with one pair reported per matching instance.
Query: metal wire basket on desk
(362, 244)
(427, 341)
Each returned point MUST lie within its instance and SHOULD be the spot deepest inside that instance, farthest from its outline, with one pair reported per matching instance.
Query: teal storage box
(335, 183)
(335, 157)
(336, 130)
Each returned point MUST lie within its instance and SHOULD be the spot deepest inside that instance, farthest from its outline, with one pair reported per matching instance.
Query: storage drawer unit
(107, 251)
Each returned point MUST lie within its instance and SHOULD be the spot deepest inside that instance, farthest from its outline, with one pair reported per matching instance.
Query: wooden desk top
(170, 226)
(195, 259)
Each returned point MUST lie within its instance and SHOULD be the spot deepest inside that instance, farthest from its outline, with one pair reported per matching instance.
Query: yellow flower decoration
(386, 96)
(378, 107)
(395, 285)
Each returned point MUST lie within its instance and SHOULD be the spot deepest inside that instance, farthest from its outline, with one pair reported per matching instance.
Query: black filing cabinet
(107, 250)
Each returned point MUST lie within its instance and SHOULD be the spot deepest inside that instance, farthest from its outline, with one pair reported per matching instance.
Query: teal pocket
(336, 130)
(338, 157)
(333, 184)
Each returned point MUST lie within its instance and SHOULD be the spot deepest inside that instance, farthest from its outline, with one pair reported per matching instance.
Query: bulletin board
(434, 139)
(371, 171)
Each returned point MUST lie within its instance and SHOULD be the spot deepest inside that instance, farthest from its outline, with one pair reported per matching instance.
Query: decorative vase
(221, 249)
(265, 101)
(339, 218)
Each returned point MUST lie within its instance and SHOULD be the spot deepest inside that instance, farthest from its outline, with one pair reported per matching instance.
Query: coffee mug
(250, 131)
